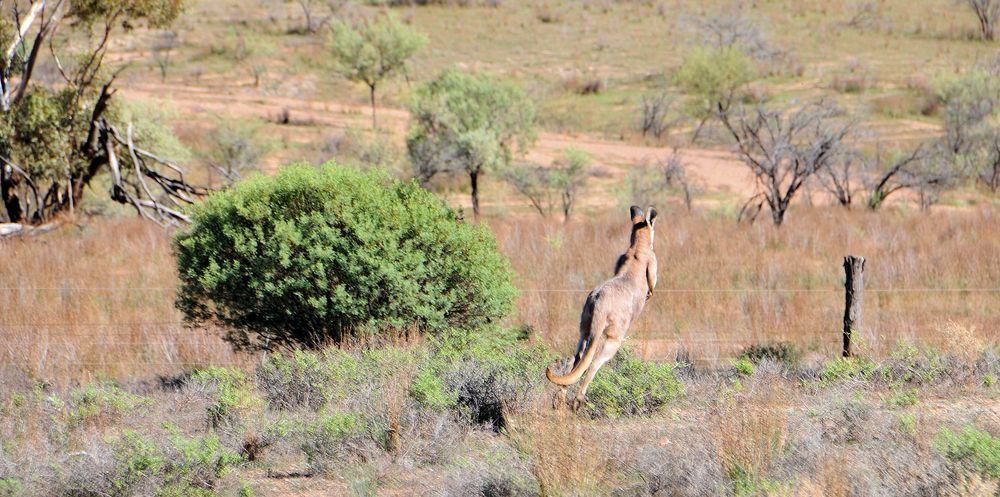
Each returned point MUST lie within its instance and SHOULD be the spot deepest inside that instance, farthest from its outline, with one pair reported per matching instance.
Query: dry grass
(96, 301)
(751, 430)
(568, 454)
(723, 285)
(99, 300)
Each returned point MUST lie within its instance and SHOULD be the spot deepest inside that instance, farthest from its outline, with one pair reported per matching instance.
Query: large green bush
(313, 255)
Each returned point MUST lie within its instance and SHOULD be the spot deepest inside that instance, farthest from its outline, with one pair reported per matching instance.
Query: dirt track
(714, 171)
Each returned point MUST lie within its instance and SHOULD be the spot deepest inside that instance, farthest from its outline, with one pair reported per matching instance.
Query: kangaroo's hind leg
(610, 347)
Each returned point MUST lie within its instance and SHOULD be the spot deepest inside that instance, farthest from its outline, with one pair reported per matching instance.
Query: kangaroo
(611, 307)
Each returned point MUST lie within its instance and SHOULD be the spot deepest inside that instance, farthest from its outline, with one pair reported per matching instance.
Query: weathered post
(854, 287)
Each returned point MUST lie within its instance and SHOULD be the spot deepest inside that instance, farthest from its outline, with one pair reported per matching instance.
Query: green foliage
(908, 424)
(973, 448)
(101, 400)
(151, 129)
(236, 148)
(318, 254)
(186, 466)
(11, 487)
(303, 379)
(989, 380)
(429, 389)
(332, 440)
(782, 352)
(37, 131)
(374, 49)
(232, 394)
(903, 398)
(743, 366)
(559, 184)
(712, 76)
(468, 123)
(629, 386)
(156, 13)
(196, 462)
(136, 460)
(847, 368)
(968, 99)
(491, 373)
(911, 364)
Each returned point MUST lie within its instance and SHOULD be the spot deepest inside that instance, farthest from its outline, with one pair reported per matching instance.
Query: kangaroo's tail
(596, 344)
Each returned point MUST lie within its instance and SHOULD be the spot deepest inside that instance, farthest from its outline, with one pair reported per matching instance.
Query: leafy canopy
(469, 122)
(712, 76)
(375, 49)
(323, 254)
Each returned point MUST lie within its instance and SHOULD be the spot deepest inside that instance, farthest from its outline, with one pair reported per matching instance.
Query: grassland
(93, 352)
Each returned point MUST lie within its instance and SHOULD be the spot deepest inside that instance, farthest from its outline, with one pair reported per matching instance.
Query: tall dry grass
(724, 285)
(96, 301)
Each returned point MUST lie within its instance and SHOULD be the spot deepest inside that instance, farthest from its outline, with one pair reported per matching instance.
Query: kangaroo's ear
(635, 213)
(651, 215)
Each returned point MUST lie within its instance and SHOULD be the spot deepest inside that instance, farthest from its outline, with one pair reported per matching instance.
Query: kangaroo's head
(642, 226)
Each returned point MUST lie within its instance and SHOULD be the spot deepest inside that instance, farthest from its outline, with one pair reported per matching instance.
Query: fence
(136, 344)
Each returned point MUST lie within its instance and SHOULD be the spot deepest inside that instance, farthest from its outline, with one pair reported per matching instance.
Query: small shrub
(186, 466)
(101, 402)
(847, 368)
(231, 393)
(138, 463)
(429, 389)
(195, 463)
(989, 380)
(742, 365)
(713, 77)
(972, 448)
(11, 487)
(903, 398)
(337, 441)
(908, 424)
(629, 386)
(491, 374)
(851, 83)
(313, 255)
(911, 364)
(849, 420)
(781, 352)
(302, 380)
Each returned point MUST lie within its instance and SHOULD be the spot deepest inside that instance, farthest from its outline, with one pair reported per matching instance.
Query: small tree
(163, 48)
(534, 183)
(648, 184)
(469, 123)
(784, 149)
(839, 177)
(655, 110)
(968, 100)
(989, 161)
(374, 50)
(924, 170)
(712, 77)
(317, 255)
(236, 149)
(57, 140)
(569, 175)
(987, 13)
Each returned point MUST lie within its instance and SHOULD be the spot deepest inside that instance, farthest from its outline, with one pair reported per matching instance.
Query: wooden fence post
(854, 287)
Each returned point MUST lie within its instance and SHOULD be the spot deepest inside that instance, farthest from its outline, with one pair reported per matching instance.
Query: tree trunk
(854, 287)
(474, 180)
(8, 191)
(372, 94)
